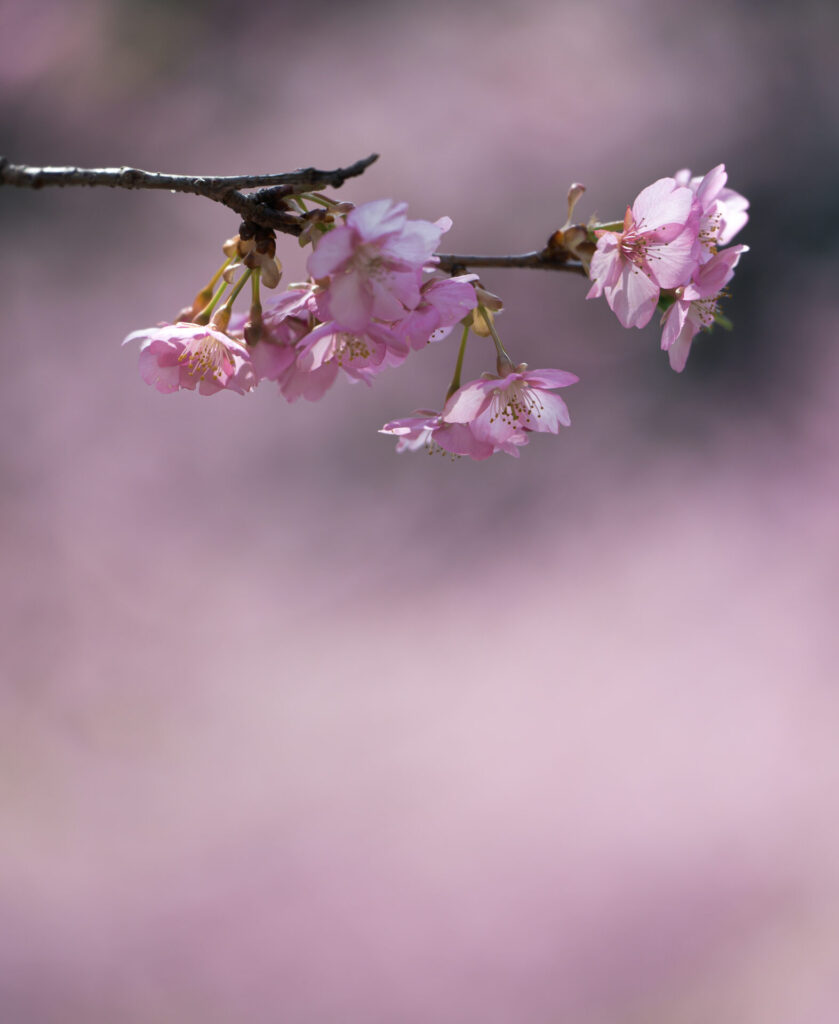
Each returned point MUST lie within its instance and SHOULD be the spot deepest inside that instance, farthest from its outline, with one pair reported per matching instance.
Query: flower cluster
(668, 255)
(374, 293)
(371, 297)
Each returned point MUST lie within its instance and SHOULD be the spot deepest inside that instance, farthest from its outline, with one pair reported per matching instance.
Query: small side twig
(545, 259)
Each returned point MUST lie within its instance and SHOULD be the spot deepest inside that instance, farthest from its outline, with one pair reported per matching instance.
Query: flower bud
(488, 300)
(481, 320)
(574, 193)
(221, 318)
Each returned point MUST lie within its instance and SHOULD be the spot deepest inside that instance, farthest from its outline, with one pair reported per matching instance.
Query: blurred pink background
(296, 729)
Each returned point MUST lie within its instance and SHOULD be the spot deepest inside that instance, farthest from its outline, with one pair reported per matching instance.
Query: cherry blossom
(655, 250)
(723, 212)
(193, 357)
(518, 400)
(371, 266)
(443, 303)
(695, 305)
(427, 429)
(360, 354)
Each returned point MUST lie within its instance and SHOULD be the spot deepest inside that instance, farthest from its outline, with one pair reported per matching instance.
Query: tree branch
(257, 207)
(266, 206)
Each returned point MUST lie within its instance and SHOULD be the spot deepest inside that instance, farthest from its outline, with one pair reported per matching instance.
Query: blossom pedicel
(375, 293)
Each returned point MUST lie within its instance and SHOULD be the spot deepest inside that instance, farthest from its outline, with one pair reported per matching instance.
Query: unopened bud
(187, 314)
(253, 331)
(488, 300)
(578, 243)
(221, 318)
(231, 247)
(574, 194)
(481, 320)
(271, 272)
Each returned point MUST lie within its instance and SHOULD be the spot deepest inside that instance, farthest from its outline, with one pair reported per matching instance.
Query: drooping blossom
(193, 357)
(371, 266)
(276, 356)
(443, 302)
(360, 354)
(695, 305)
(427, 429)
(498, 407)
(723, 212)
(655, 250)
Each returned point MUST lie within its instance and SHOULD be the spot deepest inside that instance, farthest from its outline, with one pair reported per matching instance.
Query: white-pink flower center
(367, 260)
(351, 347)
(207, 354)
(635, 247)
(515, 404)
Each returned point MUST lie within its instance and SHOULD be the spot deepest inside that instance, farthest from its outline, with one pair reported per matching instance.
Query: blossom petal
(664, 202)
(633, 299)
(465, 404)
(334, 249)
(550, 378)
(377, 219)
(671, 265)
(350, 301)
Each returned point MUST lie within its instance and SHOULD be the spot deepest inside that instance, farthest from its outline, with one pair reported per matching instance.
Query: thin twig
(546, 259)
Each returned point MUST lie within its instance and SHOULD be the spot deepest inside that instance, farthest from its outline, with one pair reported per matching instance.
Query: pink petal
(672, 322)
(469, 401)
(680, 350)
(550, 378)
(634, 297)
(606, 264)
(664, 202)
(552, 414)
(459, 440)
(334, 249)
(297, 383)
(414, 245)
(672, 264)
(711, 185)
(377, 219)
(350, 301)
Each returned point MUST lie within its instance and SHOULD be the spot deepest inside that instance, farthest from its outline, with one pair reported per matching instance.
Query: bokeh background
(296, 729)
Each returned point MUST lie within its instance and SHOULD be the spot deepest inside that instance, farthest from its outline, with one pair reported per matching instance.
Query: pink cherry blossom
(655, 250)
(695, 305)
(360, 354)
(498, 407)
(371, 266)
(722, 211)
(275, 357)
(193, 356)
(428, 430)
(443, 302)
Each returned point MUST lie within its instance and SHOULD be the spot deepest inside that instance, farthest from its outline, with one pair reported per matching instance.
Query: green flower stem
(255, 303)
(499, 348)
(205, 314)
(240, 284)
(455, 384)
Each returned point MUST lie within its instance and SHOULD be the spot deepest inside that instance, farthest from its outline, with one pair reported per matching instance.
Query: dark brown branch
(256, 207)
(546, 259)
(266, 206)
